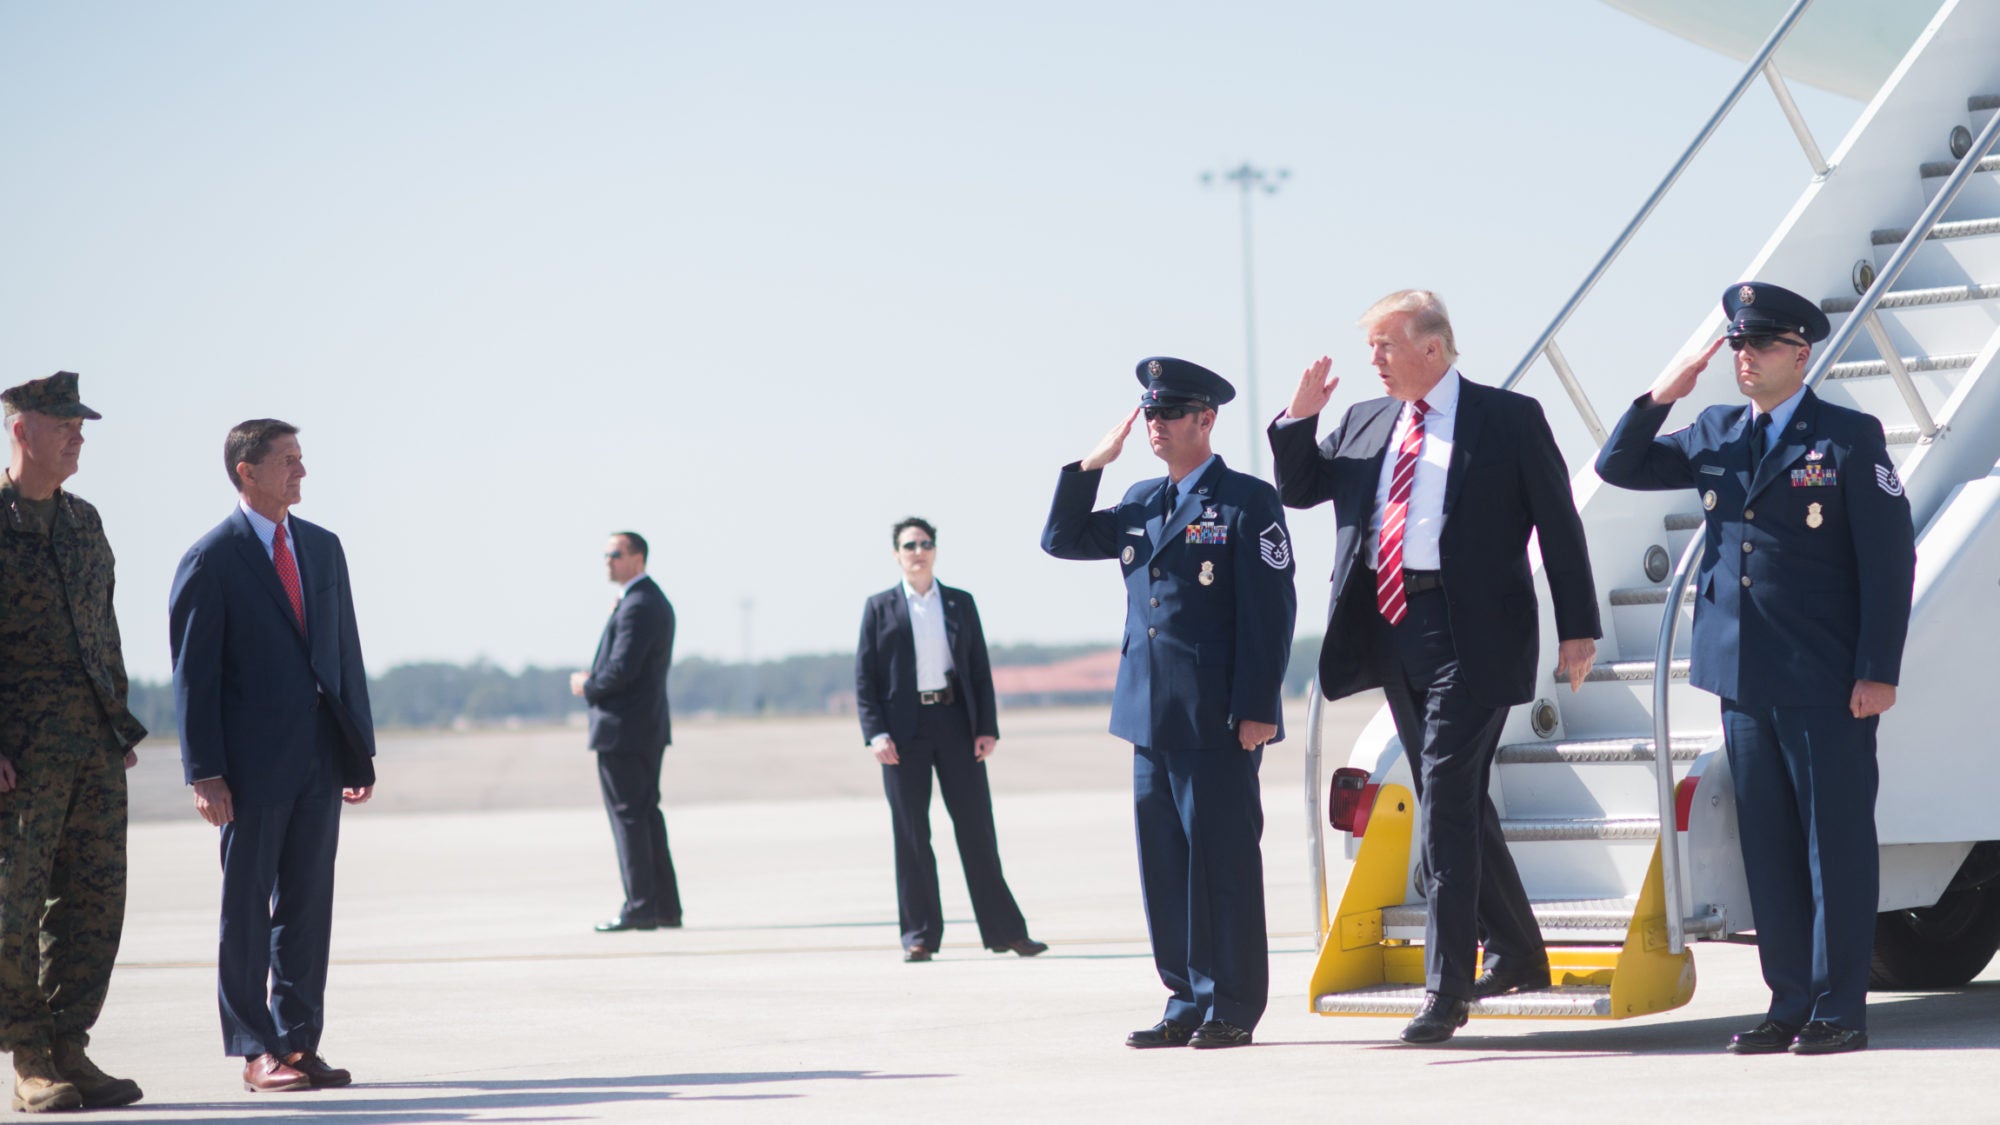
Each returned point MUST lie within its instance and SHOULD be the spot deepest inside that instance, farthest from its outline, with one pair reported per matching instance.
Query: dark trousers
(1200, 817)
(277, 922)
(1805, 780)
(943, 743)
(1470, 880)
(631, 786)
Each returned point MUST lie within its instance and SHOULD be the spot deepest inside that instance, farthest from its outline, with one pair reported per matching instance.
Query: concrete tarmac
(467, 985)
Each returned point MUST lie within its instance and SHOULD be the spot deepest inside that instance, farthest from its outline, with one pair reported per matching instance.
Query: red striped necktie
(288, 575)
(1389, 567)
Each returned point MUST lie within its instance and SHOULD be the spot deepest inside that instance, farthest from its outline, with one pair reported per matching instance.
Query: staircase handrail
(1663, 753)
(1315, 826)
(1545, 344)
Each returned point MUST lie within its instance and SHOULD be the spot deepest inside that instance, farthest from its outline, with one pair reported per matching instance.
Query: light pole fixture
(1249, 180)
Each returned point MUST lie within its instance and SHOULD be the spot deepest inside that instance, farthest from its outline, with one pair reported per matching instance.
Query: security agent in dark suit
(1435, 489)
(630, 730)
(276, 733)
(1803, 602)
(924, 689)
(1209, 609)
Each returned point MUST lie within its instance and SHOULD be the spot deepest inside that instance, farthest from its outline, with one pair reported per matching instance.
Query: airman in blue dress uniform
(1210, 605)
(1802, 605)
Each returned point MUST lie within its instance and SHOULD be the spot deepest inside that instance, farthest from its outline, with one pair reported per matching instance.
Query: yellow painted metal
(1650, 978)
(1353, 955)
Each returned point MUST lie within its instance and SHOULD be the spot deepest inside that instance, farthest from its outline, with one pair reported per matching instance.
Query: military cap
(1758, 308)
(1171, 382)
(54, 396)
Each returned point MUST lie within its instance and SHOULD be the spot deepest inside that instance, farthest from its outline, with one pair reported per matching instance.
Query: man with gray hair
(66, 739)
(1436, 487)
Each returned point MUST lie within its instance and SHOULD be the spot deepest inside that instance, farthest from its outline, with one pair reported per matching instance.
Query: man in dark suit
(275, 734)
(1209, 610)
(630, 729)
(925, 693)
(1803, 602)
(1435, 488)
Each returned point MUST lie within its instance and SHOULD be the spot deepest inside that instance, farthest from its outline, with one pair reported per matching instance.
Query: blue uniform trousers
(1200, 817)
(1805, 781)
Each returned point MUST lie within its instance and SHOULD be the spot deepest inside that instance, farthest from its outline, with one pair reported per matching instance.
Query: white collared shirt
(267, 534)
(1425, 520)
(1781, 416)
(927, 627)
(627, 587)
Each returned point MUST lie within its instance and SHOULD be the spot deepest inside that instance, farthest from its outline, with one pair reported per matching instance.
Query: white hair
(1427, 317)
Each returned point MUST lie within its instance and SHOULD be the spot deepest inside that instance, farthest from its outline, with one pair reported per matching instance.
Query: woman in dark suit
(924, 690)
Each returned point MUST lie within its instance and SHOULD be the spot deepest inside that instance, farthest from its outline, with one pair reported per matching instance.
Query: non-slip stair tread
(1957, 228)
(1684, 521)
(1937, 168)
(1570, 913)
(1626, 671)
(1406, 999)
(1916, 298)
(1914, 364)
(1686, 748)
(1542, 829)
(1647, 595)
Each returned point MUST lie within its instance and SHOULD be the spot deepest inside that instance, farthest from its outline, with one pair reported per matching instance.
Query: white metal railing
(1315, 825)
(1760, 65)
(1663, 755)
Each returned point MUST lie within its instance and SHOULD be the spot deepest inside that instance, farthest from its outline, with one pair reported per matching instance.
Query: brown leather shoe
(99, 1090)
(266, 1075)
(313, 1067)
(38, 1088)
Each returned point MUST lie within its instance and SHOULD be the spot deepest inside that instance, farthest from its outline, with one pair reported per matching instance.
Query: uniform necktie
(1389, 595)
(1760, 438)
(288, 575)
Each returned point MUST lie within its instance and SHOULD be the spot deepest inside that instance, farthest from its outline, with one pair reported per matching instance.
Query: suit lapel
(949, 597)
(1465, 432)
(1156, 524)
(266, 573)
(1786, 447)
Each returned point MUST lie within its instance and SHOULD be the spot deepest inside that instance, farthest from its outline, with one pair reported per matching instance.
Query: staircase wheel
(1940, 946)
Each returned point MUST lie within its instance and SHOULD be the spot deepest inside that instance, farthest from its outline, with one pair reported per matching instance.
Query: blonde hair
(1427, 317)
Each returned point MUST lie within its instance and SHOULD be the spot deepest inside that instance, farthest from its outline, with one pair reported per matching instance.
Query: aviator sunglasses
(1762, 342)
(917, 545)
(1170, 413)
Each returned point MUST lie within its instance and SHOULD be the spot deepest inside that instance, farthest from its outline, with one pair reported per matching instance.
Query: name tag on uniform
(1217, 533)
(1815, 476)
(1714, 470)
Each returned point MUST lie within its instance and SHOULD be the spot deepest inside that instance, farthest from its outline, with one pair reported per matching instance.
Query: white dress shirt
(933, 647)
(1781, 416)
(1425, 520)
(267, 533)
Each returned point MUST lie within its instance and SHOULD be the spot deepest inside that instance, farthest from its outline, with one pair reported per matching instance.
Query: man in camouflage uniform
(66, 740)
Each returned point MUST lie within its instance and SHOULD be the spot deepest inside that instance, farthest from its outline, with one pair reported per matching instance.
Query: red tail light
(1684, 801)
(1350, 801)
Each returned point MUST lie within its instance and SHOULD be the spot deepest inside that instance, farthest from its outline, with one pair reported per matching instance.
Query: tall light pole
(1250, 179)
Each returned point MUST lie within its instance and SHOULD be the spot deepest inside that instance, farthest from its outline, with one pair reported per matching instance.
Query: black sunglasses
(614, 554)
(1170, 413)
(917, 545)
(1762, 342)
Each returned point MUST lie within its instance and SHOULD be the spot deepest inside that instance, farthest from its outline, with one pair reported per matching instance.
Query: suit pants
(1805, 781)
(1471, 883)
(277, 921)
(943, 743)
(1200, 817)
(631, 786)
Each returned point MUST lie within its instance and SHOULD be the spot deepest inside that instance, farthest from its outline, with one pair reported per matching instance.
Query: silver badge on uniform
(1127, 555)
(1746, 295)
(1707, 503)
(1207, 575)
(1815, 455)
(1813, 518)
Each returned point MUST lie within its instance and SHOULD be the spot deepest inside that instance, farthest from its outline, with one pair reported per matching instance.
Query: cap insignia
(1746, 295)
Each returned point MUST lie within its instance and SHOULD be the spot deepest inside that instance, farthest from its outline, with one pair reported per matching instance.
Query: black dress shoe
(1767, 1038)
(1491, 983)
(1166, 1033)
(617, 925)
(1440, 1016)
(1220, 1033)
(1025, 946)
(917, 952)
(1822, 1038)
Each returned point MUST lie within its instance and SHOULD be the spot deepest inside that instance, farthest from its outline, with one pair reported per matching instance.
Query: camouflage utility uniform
(65, 726)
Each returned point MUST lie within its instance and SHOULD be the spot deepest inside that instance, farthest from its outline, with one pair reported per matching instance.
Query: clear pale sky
(757, 279)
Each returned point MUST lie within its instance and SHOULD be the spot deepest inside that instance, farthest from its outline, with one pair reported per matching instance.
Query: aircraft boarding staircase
(1582, 796)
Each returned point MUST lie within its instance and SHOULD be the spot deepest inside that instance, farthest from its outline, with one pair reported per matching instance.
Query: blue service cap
(1170, 382)
(1758, 308)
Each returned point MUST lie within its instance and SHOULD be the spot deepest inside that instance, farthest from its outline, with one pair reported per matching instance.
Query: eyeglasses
(917, 545)
(1170, 413)
(1762, 342)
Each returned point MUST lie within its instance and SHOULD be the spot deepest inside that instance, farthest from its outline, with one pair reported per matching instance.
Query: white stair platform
(1568, 1002)
(1597, 921)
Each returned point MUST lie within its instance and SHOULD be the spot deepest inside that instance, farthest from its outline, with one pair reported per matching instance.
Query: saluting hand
(1315, 389)
(7, 777)
(1871, 697)
(1677, 381)
(1113, 444)
(1574, 658)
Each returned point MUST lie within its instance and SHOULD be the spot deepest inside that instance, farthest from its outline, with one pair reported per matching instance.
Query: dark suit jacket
(885, 665)
(247, 683)
(627, 688)
(1808, 559)
(1506, 479)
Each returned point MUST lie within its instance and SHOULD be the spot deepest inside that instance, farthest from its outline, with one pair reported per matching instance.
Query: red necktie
(1389, 569)
(288, 574)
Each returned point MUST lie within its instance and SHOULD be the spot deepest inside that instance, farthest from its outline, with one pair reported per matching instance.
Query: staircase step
(1628, 671)
(1647, 595)
(1684, 521)
(1573, 1001)
(1938, 169)
(1599, 751)
(1915, 364)
(1551, 829)
(1916, 298)
(1961, 228)
(1602, 921)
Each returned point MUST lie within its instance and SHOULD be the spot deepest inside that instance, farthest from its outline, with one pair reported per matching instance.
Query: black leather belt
(942, 696)
(1418, 581)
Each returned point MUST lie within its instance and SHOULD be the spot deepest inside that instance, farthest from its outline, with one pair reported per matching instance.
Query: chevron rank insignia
(1887, 478)
(1275, 549)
